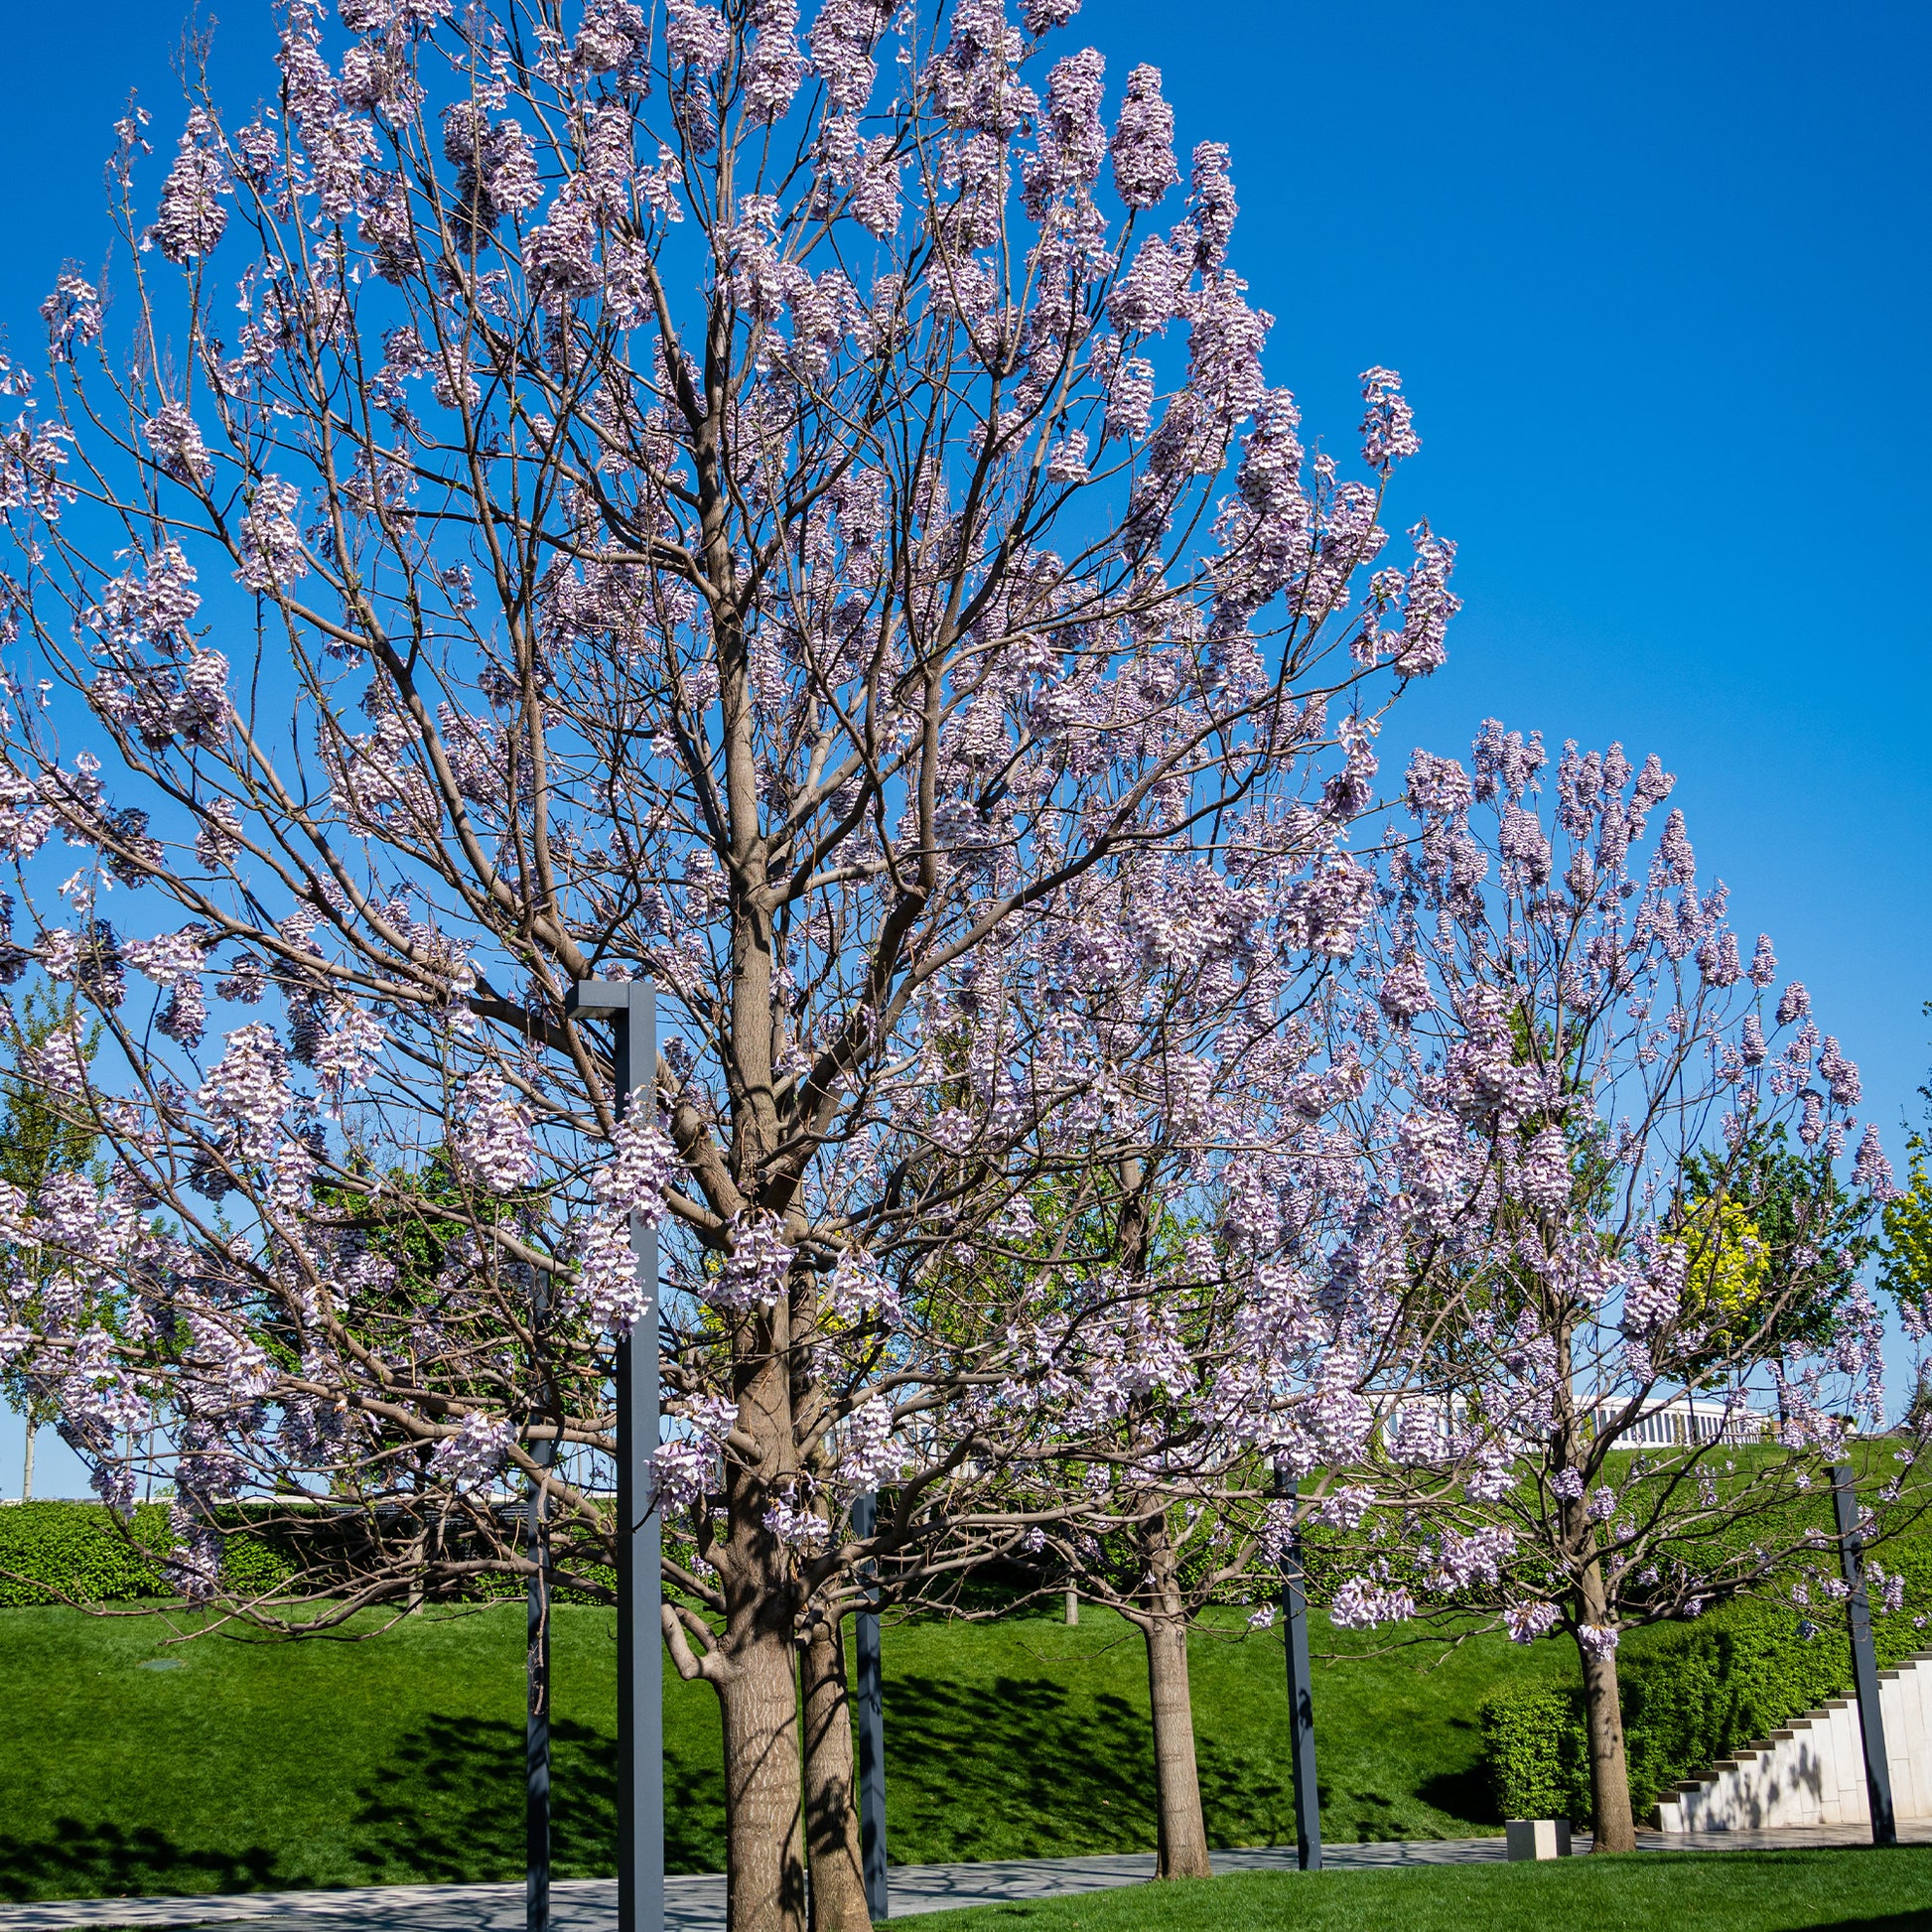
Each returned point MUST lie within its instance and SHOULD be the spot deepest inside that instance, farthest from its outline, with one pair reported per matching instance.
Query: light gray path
(1786, 1838)
(697, 1904)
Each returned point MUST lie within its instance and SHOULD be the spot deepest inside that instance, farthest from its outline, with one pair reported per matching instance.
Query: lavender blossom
(191, 216)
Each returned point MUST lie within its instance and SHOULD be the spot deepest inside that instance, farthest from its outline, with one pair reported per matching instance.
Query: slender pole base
(1301, 1701)
(1865, 1659)
(871, 1736)
(536, 1731)
(632, 1006)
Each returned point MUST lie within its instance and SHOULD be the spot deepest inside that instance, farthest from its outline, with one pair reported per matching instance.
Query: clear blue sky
(1657, 279)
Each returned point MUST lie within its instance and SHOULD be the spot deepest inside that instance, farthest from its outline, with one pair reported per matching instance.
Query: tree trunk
(1073, 1608)
(765, 1866)
(26, 1467)
(1177, 1780)
(831, 1788)
(1609, 1770)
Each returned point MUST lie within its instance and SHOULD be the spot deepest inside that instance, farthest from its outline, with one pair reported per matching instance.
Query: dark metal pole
(1300, 1701)
(871, 1733)
(1865, 1660)
(641, 1575)
(536, 1734)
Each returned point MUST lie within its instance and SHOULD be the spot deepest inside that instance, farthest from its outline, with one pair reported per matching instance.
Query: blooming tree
(779, 515)
(1190, 1317)
(1591, 1074)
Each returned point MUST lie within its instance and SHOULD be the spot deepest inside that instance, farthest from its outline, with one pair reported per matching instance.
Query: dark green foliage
(1816, 1231)
(72, 1552)
(52, 1550)
(37, 1142)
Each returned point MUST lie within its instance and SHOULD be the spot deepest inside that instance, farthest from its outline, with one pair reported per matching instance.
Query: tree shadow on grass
(1247, 1790)
(1467, 1794)
(1014, 1769)
(82, 1860)
(447, 1806)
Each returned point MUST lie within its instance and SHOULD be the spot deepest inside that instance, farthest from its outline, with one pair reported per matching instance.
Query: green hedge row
(74, 1552)
(52, 1552)
(1695, 1694)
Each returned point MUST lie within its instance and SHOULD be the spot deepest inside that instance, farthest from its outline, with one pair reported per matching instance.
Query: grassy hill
(237, 1765)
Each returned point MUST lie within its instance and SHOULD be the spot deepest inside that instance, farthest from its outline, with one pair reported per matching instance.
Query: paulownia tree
(1195, 1323)
(1592, 1075)
(561, 496)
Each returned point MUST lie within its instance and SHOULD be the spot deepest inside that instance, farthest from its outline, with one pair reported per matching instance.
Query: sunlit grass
(1673, 1891)
(400, 1760)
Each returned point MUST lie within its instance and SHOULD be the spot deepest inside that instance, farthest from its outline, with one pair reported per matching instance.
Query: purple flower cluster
(272, 556)
(191, 218)
(246, 1092)
(1142, 147)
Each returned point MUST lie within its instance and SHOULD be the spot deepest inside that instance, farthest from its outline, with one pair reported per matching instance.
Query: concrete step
(1712, 1787)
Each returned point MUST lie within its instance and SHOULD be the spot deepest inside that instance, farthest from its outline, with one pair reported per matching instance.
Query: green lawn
(398, 1759)
(1732, 1891)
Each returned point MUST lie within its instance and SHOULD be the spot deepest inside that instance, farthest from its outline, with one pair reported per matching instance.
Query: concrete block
(1536, 1838)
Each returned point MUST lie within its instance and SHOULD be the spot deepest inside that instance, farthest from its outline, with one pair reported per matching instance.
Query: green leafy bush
(57, 1549)
(1535, 1753)
(74, 1552)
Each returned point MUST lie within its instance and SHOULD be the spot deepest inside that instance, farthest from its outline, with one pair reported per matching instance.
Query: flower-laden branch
(775, 516)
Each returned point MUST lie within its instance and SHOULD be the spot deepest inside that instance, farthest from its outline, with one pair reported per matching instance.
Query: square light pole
(536, 1728)
(1864, 1661)
(633, 1007)
(872, 1732)
(1301, 1699)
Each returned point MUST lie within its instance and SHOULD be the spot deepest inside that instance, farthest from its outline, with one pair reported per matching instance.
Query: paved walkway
(696, 1903)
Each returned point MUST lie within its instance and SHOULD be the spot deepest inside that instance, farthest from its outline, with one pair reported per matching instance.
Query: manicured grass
(400, 1759)
(1730, 1891)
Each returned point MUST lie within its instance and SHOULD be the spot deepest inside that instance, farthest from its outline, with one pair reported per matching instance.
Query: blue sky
(1656, 277)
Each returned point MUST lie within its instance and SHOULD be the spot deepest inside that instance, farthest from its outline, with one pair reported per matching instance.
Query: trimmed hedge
(74, 1552)
(53, 1551)
(1533, 1753)
(1694, 1693)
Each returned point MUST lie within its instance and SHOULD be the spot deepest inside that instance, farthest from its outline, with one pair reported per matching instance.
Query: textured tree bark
(765, 1866)
(1609, 1770)
(1073, 1607)
(831, 1787)
(1177, 1778)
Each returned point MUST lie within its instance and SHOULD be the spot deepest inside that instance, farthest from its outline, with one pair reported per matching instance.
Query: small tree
(1597, 1081)
(1905, 1268)
(1192, 1327)
(39, 1145)
(699, 509)
(1793, 1233)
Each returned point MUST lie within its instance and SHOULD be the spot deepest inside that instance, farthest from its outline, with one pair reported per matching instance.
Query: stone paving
(696, 1902)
